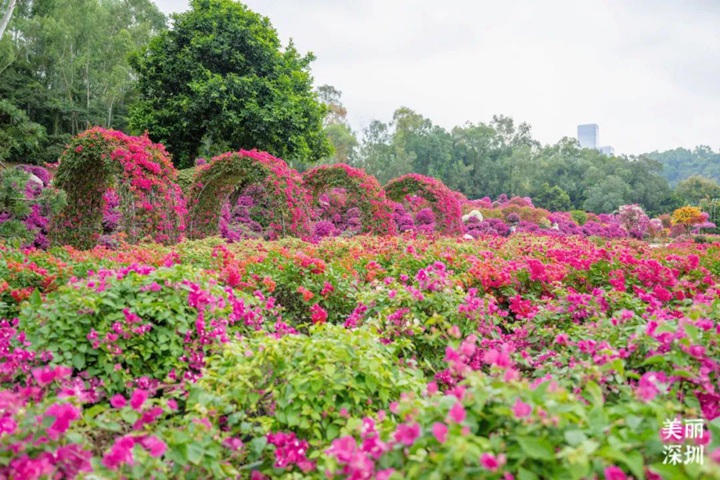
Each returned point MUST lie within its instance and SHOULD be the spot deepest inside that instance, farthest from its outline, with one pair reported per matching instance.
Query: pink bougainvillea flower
(7, 425)
(120, 453)
(457, 413)
(614, 473)
(521, 409)
(138, 398)
(407, 434)
(384, 474)
(64, 414)
(440, 431)
(715, 455)
(233, 443)
(46, 375)
(489, 462)
(647, 388)
(118, 401)
(154, 445)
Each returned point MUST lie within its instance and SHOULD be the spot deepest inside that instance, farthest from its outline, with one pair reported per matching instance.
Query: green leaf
(575, 437)
(537, 448)
(594, 391)
(35, 298)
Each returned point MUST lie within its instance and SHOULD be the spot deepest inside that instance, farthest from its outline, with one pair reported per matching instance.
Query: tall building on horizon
(588, 135)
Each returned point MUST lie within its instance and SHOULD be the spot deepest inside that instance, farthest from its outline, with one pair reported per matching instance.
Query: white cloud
(645, 71)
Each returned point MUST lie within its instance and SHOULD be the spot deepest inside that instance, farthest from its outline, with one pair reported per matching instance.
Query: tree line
(220, 79)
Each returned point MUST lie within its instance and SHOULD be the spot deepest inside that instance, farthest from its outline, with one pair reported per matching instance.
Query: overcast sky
(646, 71)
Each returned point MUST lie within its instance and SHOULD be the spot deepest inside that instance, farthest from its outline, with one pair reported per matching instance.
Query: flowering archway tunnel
(247, 194)
(443, 202)
(348, 199)
(117, 185)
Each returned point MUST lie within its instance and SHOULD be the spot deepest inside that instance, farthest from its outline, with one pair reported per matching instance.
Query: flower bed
(364, 357)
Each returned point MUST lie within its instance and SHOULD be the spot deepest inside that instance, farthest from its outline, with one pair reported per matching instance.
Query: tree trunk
(6, 18)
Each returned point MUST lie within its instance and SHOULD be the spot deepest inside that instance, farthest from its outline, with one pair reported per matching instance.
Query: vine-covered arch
(443, 201)
(117, 184)
(229, 174)
(364, 192)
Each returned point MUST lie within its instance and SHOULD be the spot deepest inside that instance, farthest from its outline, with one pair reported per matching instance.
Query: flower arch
(137, 174)
(443, 201)
(228, 174)
(364, 192)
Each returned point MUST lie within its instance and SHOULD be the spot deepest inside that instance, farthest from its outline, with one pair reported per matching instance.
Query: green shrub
(20, 138)
(185, 179)
(579, 217)
(137, 318)
(307, 384)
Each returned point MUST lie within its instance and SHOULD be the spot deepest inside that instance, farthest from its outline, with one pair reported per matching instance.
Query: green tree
(552, 198)
(341, 137)
(219, 78)
(606, 196)
(20, 138)
(380, 156)
(696, 188)
(69, 71)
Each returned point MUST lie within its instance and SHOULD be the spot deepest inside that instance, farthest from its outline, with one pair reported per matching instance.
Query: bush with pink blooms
(27, 202)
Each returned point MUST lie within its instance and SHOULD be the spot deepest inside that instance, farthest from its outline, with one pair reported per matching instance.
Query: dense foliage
(68, 71)
(681, 163)
(219, 81)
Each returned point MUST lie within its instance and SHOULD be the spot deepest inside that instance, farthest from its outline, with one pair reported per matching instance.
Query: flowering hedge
(141, 178)
(227, 176)
(444, 203)
(364, 193)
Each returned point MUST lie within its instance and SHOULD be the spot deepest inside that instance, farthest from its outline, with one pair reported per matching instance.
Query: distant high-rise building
(609, 151)
(588, 135)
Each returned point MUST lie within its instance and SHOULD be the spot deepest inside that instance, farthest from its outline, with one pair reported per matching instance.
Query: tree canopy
(68, 70)
(219, 80)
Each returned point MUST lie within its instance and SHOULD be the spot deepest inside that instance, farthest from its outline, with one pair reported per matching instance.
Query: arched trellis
(364, 191)
(443, 201)
(229, 173)
(141, 177)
